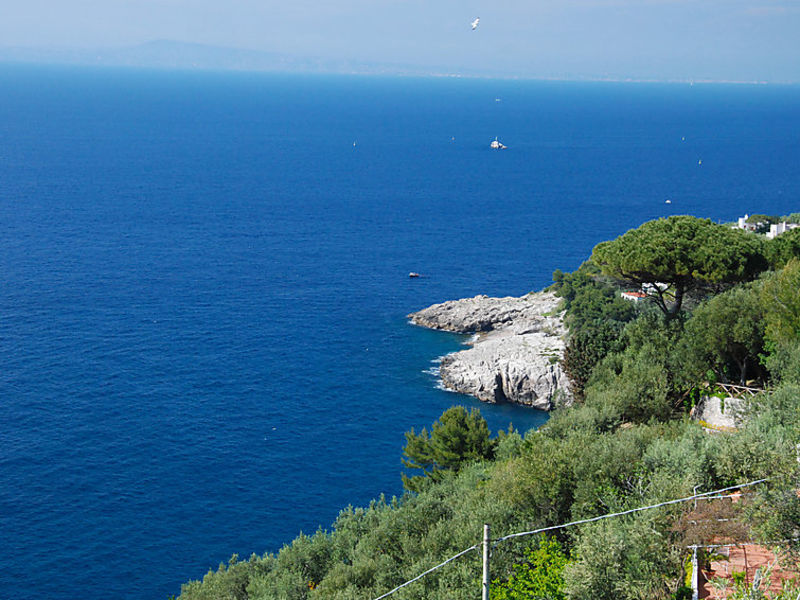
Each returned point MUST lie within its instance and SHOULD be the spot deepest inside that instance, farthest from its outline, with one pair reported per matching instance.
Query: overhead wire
(628, 512)
(709, 495)
(739, 544)
(431, 570)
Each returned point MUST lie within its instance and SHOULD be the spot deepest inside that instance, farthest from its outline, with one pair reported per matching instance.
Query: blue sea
(204, 285)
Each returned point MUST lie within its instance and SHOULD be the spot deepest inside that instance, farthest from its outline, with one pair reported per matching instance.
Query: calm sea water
(204, 284)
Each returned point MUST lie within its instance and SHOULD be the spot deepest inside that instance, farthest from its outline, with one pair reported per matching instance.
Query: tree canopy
(784, 248)
(596, 316)
(683, 253)
(456, 438)
(729, 328)
(782, 300)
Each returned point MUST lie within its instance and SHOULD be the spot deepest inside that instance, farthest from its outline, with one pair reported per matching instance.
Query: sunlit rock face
(516, 356)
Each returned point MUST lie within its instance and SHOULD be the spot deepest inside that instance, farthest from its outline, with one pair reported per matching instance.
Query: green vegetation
(540, 577)
(626, 442)
(727, 333)
(456, 439)
(763, 222)
(784, 248)
(595, 316)
(739, 589)
(782, 301)
(684, 252)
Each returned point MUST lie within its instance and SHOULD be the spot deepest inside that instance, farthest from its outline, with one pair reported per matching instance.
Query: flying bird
(475, 23)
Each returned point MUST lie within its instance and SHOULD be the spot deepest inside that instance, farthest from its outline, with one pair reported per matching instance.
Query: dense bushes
(628, 443)
(568, 470)
(596, 317)
(561, 474)
(540, 576)
(648, 377)
(784, 248)
(640, 362)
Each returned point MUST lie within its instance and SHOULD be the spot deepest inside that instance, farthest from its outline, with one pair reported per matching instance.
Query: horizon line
(80, 57)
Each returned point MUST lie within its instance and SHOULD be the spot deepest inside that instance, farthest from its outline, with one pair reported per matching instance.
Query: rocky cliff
(516, 356)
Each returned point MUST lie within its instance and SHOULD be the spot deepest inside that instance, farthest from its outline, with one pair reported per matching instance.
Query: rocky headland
(516, 355)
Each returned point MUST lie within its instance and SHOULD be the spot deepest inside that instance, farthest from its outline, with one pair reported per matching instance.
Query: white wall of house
(718, 414)
(777, 229)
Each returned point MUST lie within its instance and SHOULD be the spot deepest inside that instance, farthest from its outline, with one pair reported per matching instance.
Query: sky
(739, 40)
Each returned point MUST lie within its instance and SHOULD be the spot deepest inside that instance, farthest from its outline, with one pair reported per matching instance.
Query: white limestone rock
(516, 357)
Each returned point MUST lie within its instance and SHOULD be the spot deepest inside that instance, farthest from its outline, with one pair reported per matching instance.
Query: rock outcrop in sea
(516, 355)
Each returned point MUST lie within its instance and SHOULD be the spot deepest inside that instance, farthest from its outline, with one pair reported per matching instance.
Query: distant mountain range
(169, 54)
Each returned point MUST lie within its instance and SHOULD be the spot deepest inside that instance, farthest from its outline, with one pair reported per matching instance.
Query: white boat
(496, 145)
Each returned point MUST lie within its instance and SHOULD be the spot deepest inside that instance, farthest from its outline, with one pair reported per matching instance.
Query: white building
(778, 228)
(633, 296)
(743, 224)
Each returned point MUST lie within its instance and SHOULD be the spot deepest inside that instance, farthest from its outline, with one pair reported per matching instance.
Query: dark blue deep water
(203, 284)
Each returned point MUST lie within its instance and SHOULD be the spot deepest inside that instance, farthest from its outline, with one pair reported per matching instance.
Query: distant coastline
(174, 55)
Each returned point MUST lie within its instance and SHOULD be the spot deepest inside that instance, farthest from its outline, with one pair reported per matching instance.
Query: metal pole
(485, 595)
(695, 569)
(744, 549)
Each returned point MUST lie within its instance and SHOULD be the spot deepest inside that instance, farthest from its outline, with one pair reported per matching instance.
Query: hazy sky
(717, 39)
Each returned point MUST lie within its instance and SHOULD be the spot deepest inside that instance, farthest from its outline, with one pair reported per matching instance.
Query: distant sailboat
(496, 145)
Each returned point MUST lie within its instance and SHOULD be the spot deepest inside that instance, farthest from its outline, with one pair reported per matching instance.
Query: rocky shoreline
(516, 354)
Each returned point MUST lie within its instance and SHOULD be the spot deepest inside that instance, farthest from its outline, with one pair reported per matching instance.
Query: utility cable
(431, 570)
(627, 512)
(571, 524)
(738, 544)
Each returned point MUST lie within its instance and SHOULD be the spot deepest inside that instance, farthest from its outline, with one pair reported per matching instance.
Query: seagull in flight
(475, 23)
